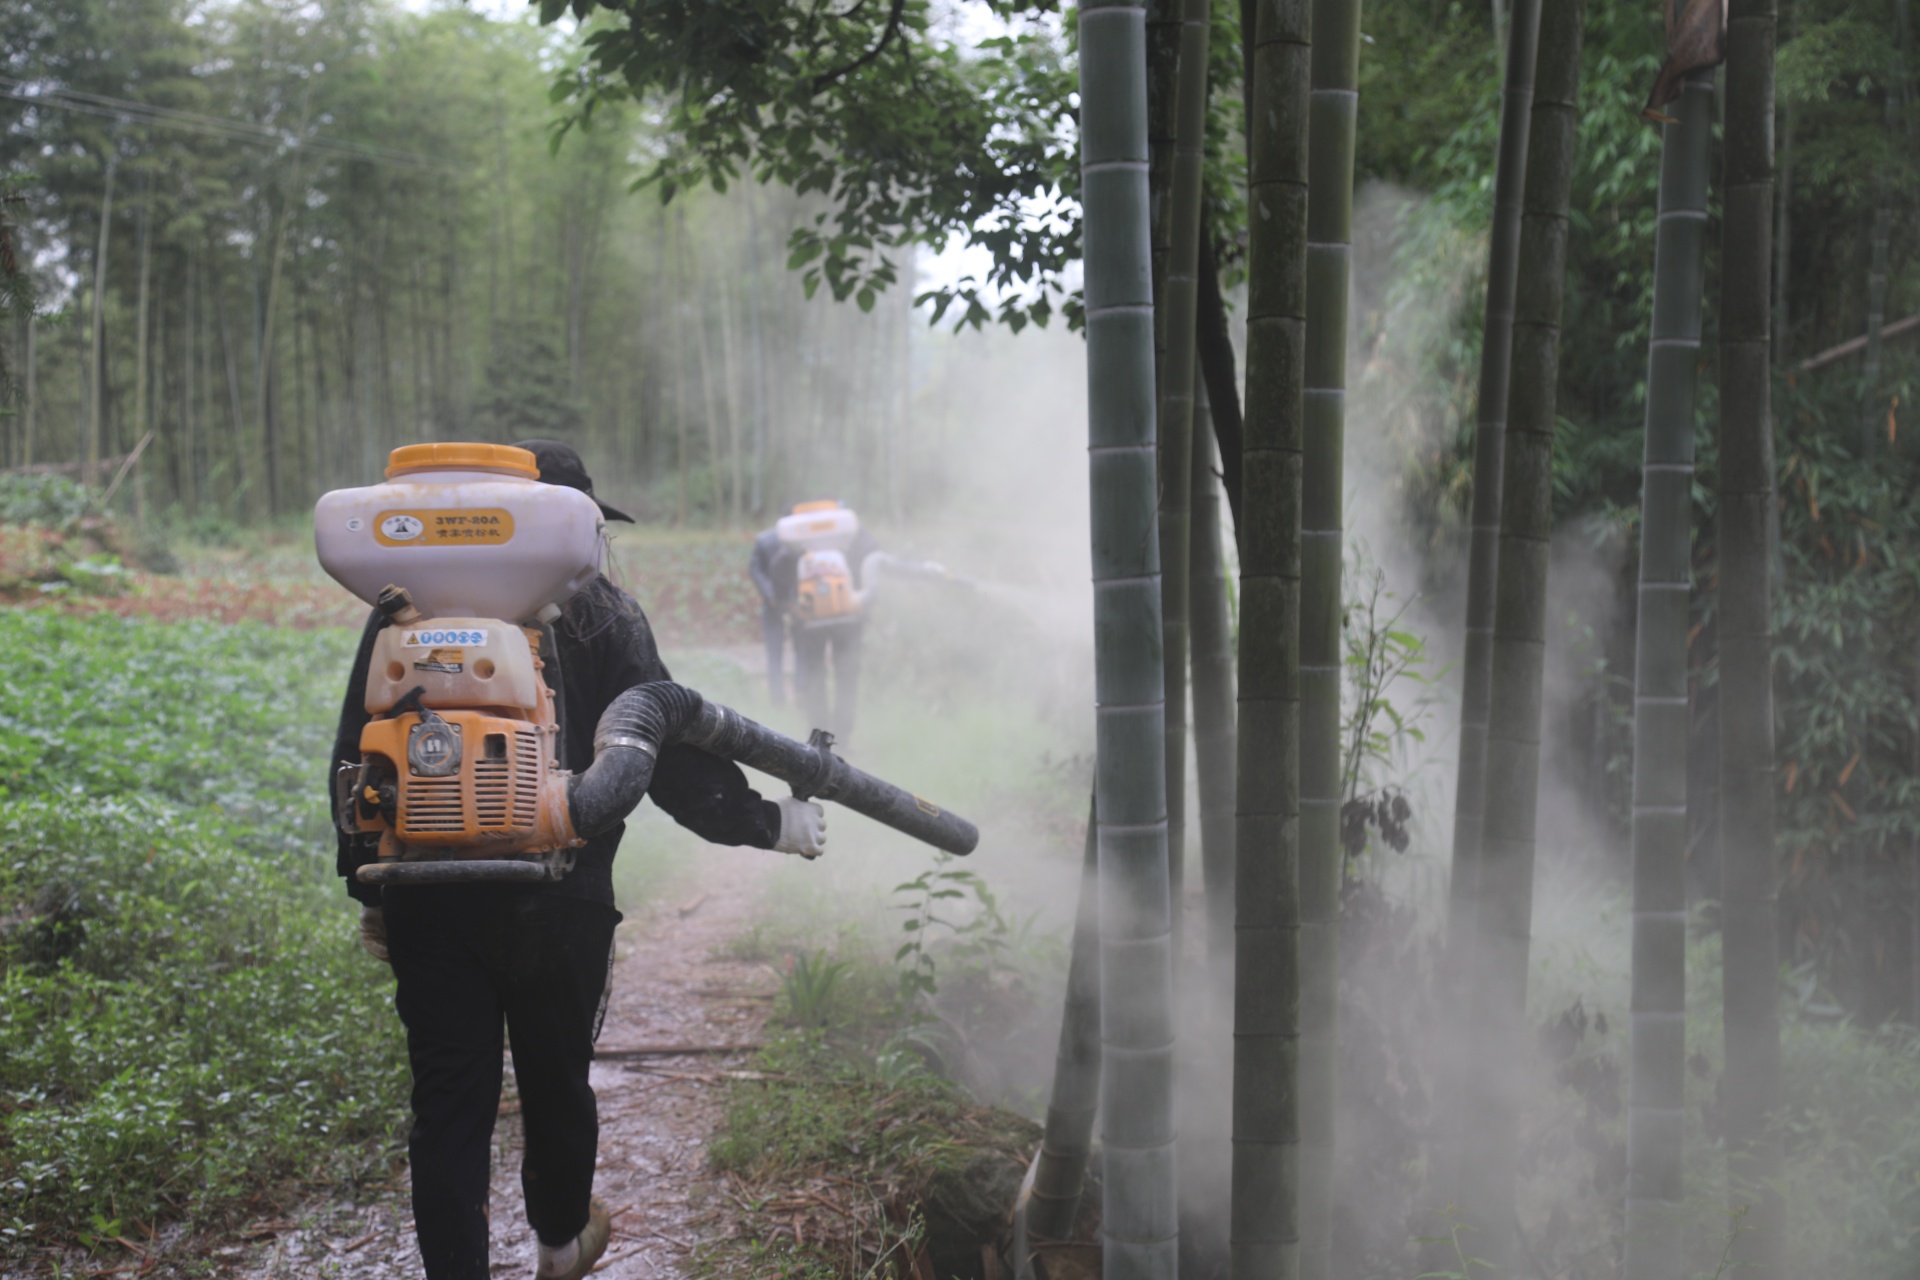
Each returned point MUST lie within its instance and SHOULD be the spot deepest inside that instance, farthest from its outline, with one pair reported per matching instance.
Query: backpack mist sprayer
(470, 557)
(821, 536)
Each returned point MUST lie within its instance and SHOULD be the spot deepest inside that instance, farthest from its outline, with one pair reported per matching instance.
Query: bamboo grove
(1650, 479)
(1286, 1107)
(273, 237)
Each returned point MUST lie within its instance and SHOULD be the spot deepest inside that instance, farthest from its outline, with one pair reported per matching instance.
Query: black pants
(810, 648)
(466, 958)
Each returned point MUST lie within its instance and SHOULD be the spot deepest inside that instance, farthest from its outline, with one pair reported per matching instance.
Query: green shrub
(185, 1013)
(41, 498)
(196, 713)
(203, 1019)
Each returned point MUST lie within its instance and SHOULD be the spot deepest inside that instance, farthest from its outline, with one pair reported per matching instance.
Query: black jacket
(605, 648)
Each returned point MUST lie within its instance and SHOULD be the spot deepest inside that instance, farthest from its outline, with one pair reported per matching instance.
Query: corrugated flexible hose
(639, 723)
(648, 717)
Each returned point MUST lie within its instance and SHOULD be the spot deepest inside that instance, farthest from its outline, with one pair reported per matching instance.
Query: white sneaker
(574, 1259)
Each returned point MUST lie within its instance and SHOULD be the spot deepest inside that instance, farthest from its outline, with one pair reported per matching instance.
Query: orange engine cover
(501, 799)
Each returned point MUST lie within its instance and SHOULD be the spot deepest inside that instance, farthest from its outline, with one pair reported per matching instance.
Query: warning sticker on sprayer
(445, 638)
(445, 662)
(484, 527)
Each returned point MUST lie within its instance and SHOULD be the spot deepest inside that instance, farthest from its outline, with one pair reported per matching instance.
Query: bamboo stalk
(1503, 910)
(96, 332)
(1174, 306)
(1656, 1092)
(1265, 1232)
(1213, 711)
(1333, 114)
(1489, 437)
(1060, 1172)
(192, 358)
(142, 298)
(1136, 964)
(1207, 1005)
(1872, 411)
(1783, 224)
(757, 340)
(716, 468)
(680, 359)
(263, 387)
(1744, 524)
(1476, 665)
(33, 391)
(1871, 420)
(729, 367)
(1213, 348)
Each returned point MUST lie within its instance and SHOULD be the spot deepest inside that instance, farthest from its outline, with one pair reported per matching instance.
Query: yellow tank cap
(806, 508)
(462, 457)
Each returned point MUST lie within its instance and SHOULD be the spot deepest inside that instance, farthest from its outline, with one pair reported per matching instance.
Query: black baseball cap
(560, 464)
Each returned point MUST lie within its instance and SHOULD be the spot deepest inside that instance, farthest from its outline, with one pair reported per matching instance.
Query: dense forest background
(266, 241)
(280, 237)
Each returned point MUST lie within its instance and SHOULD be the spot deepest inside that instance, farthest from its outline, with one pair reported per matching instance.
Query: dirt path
(673, 985)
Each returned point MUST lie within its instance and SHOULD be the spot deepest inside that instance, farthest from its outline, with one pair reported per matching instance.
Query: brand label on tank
(445, 638)
(467, 527)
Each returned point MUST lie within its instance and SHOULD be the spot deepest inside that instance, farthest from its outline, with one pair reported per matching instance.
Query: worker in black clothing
(769, 558)
(467, 957)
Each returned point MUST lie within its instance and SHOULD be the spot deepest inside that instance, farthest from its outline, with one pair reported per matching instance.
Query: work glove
(373, 932)
(803, 828)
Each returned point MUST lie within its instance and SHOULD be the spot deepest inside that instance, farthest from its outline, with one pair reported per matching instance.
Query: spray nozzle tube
(650, 716)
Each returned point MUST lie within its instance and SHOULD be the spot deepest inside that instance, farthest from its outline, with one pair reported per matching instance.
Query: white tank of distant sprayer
(818, 526)
(822, 533)
(467, 529)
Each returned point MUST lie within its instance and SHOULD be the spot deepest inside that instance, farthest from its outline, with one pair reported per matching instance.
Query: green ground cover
(188, 1026)
(186, 1018)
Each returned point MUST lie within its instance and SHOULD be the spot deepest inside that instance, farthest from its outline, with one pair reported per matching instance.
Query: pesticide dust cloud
(983, 696)
(976, 694)
(973, 456)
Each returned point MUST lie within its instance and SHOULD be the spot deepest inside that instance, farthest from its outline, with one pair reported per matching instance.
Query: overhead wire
(123, 109)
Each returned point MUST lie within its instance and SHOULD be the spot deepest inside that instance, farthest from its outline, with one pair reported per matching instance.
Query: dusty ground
(673, 987)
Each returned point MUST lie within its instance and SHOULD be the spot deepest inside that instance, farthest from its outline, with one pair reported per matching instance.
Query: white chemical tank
(467, 529)
(818, 526)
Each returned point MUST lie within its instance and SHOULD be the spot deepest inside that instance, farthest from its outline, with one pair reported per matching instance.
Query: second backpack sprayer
(470, 557)
(821, 535)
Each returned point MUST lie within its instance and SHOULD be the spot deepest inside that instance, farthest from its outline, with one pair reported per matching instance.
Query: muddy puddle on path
(674, 988)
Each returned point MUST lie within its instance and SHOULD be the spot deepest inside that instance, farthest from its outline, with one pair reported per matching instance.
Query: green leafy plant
(184, 1012)
(1463, 1265)
(1385, 659)
(980, 932)
(1738, 1218)
(100, 1230)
